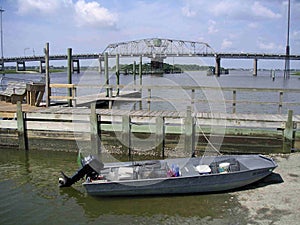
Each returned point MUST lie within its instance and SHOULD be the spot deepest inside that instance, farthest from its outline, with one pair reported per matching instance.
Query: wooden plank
(62, 85)
(61, 97)
(55, 117)
(9, 115)
(58, 126)
(8, 124)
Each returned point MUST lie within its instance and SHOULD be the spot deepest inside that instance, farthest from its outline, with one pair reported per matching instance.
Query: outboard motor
(90, 167)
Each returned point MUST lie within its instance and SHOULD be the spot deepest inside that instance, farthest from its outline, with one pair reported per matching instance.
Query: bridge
(157, 49)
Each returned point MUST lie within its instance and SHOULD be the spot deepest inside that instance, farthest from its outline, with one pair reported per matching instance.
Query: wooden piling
(69, 73)
(134, 69)
(234, 101)
(288, 131)
(280, 101)
(140, 71)
(255, 67)
(126, 133)
(95, 131)
(110, 102)
(193, 98)
(106, 72)
(149, 99)
(100, 64)
(217, 65)
(22, 133)
(140, 67)
(47, 70)
(118, 73)
(160, 136)
(189, 133)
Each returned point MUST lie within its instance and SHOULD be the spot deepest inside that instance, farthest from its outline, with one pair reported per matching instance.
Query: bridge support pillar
(20, 66)
(1, 65)
(41, 68)
(255, 67)
(77, 67)
(218, 66)
(157, 64)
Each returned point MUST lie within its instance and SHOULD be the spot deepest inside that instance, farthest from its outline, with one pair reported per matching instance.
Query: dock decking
(61, 122)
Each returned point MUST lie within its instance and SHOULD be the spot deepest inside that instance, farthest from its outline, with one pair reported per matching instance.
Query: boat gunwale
(99, 182)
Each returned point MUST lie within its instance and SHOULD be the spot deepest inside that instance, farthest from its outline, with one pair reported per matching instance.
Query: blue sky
(88, 26)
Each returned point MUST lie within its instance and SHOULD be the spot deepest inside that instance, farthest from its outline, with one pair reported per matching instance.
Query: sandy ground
(277, 201)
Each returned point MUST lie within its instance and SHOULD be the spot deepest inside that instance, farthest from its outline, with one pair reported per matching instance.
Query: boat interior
(169, 168)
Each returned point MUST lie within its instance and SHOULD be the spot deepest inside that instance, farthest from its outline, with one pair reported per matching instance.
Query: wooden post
(234, 101)
(100, 64)
(69, 72)
(280, 101)
(134, 69)
(218, 66)
(288, 131)
(95, 131)
(110, 102)
(47, 88)
(255, 67)
(140, 67)
(106, 72)
(149, 99)
(140, 72)
(118, 73)
(193, 97)
(160, 136)
(126, 133)
(189, 129)
(22, 133)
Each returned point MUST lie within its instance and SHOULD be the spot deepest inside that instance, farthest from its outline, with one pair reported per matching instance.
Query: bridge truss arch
(159, 48)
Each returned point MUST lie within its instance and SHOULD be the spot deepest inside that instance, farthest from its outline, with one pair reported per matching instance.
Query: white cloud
(242, 10)
(186, 11)
(296, 35)
(40, 6)
(85, 13)
(226, 44)
(263, 12)
(212, 27)
(267, 46)
(253, 25)
(270, 46)
(93, 14)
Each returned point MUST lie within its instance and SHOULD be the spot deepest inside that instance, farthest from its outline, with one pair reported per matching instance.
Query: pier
(30, 127)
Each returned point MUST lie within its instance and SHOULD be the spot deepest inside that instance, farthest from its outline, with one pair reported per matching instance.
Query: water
(236, 78)
(30, 195)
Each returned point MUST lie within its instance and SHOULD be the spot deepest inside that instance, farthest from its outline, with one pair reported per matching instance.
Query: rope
(208, 141)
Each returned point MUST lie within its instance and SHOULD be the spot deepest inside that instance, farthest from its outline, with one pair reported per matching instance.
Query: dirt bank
(277, 201)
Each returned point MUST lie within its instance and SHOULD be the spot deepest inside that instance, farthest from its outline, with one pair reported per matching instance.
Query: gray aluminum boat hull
(253, 168)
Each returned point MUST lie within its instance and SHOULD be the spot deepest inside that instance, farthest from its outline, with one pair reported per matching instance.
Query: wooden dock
(66, 122)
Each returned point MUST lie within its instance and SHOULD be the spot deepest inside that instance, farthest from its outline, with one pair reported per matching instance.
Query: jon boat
(170, 176)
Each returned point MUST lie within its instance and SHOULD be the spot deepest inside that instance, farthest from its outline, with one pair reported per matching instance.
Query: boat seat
(125, 173)
(203, 169)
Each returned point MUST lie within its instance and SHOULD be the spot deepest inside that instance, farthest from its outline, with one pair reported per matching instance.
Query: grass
(30, 71)
(297, 73)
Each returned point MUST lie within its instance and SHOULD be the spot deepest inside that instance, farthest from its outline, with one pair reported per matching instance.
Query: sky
(88, 26)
